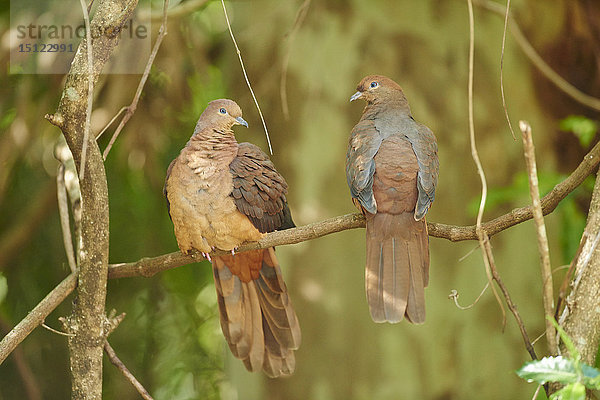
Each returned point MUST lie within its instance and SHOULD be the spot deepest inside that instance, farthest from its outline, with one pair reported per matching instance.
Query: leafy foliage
(571, 372)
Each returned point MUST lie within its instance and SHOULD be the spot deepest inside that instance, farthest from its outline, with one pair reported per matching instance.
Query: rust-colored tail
(257, 317)
(397, 267)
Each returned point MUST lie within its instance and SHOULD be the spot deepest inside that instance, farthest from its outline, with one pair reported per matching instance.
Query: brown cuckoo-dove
(220, 194)
(392, 169)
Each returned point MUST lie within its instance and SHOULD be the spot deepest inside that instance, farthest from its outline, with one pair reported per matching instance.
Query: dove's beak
(241, 121)
(355, 96)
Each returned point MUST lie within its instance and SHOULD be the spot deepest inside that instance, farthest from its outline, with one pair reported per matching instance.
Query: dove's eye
(223, 111)
(374, 85)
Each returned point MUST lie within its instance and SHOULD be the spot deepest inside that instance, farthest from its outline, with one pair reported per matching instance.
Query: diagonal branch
(37, 316)
(538, 61)
(549, 202)
(162, 32)
(116, 361)
(511, 306)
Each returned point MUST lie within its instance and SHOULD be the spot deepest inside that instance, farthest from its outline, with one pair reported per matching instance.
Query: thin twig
(538, 216)
(586, 260)
(57, 331)
(562, 292)
(300, 15)
(537, 339)
(502, 70)
(463, 258)
(511, 305)
(539, 63)
(133, 106)
(124, 108)
(454, 296)
(239, 54)
(63, 211)
(114, 359)
(475, 156)
(90, 76)
(550, 201)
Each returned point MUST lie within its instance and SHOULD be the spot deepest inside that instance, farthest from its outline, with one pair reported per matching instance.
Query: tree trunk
(582, 322)
(87, 322)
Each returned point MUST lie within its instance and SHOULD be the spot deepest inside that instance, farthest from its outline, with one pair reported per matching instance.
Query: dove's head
(221, 114)
(376, 89)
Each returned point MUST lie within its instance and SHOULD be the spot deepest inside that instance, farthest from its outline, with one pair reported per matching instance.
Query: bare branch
(549, 202)
(538, 216)
(63, 211)
(61, 333)
(121, 111)
(133, 106)
(239, 54)
(150, 266)
(511, 306)
(114, 359)
(36, 316)
(538, 62)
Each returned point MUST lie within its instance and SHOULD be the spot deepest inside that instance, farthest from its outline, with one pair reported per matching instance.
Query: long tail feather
(397, 267)
(257, 317)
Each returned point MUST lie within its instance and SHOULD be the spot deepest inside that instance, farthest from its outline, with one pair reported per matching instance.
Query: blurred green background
(171, 338)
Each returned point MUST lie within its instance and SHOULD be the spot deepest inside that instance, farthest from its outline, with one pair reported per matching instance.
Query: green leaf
(573, 391)
(549, 369)
(584, 128)
(3, 288)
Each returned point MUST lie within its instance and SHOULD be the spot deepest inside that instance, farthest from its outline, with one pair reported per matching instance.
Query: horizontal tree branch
(150, 266)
